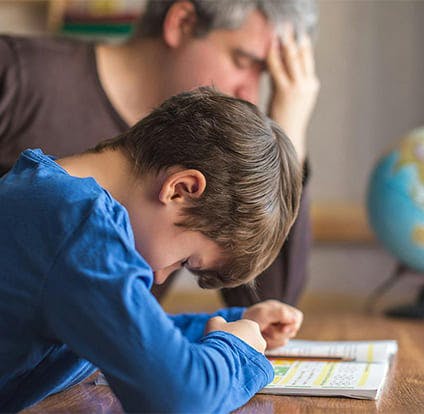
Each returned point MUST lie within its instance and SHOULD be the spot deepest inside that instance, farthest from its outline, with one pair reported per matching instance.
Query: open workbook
(355, 369)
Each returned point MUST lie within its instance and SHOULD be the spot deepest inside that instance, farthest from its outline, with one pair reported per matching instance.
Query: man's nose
(249, 91)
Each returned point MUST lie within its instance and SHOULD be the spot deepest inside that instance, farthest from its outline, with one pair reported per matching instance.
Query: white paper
(360, 351)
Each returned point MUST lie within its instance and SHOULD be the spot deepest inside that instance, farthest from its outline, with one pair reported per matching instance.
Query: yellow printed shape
(325, 373)
(364, 376)
(370, 353)
(280, 362)
(291, 373)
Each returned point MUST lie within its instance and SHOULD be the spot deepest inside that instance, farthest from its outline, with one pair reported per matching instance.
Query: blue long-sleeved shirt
(75, 296)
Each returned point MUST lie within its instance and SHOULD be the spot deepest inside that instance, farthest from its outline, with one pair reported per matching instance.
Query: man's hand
(277, 321)
(295, 86)
(247, 330)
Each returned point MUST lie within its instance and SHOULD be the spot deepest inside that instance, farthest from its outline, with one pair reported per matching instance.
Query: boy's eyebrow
(195, 269)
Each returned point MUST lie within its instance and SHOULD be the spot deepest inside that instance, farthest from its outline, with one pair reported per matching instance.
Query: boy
(206, 182)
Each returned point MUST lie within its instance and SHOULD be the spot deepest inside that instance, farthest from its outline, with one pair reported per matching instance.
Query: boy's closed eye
(190, 266)
(186, 263)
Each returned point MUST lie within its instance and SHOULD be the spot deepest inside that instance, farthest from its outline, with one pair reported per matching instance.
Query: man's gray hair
(230, 14)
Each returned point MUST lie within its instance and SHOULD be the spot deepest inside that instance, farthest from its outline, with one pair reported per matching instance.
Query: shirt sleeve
(9, 86)
(96, 299)
(192, 325)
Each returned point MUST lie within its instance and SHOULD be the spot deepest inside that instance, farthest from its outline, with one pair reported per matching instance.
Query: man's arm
(295, 86)
(9, 90)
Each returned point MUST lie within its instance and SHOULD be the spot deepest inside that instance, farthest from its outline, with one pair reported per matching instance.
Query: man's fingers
(306, 55)
(275, 64)
(291, 56)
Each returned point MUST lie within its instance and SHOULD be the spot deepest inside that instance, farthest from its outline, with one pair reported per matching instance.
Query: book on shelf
(355, 369)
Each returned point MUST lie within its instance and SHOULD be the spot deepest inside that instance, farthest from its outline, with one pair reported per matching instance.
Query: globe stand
(415, 310)
(406, 311)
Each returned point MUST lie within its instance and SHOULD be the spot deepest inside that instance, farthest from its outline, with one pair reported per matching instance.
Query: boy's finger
(287, 314)
(280, 316)
(288, 328)
(215, 324)
(281, 330)
(299, 318)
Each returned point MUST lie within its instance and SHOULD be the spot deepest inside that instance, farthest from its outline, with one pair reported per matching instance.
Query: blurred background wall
(370, 60)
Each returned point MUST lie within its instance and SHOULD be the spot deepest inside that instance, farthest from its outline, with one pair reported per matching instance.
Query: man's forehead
(253, 37)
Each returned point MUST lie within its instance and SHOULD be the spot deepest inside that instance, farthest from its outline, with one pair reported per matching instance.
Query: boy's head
(230, 171)
(221, 42)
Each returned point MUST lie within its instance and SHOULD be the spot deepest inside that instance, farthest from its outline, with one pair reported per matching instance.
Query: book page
(360, 351)
(352, 379)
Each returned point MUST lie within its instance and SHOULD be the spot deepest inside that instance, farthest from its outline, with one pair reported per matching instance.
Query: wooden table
(403, 393)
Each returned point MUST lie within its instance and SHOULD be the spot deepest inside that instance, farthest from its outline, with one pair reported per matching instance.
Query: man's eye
(247, 63)
(243, 62)
(184, 263)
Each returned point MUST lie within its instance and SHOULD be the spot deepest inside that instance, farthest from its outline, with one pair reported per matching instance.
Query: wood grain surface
(403, 393)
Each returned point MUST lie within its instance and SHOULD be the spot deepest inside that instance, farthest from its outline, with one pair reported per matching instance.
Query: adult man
(65, 96)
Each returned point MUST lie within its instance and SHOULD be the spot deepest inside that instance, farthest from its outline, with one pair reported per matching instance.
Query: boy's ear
(182, 186)
(179, 23)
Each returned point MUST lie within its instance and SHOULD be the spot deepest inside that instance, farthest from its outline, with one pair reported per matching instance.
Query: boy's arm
(277, 321)
(100, 306)
(192, 325)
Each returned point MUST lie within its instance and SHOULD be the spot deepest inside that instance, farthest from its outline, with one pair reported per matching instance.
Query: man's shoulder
(42, 60)
(40, 47)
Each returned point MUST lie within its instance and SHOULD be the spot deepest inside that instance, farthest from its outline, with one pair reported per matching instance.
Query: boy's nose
(161, 275)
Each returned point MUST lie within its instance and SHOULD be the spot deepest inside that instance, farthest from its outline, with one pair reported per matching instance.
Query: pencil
(311, 358)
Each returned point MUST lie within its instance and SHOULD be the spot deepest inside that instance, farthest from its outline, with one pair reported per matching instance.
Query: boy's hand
(247, 330)
(277, 321)
(295, 86)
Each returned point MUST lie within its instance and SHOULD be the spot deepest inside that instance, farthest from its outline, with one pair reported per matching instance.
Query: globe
(395, 200)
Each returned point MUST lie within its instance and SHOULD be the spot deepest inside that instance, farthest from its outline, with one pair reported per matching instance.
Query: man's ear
(179, 23)
(182, 186)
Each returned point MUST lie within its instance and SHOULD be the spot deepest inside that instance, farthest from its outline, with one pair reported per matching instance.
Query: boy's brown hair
(253, 179)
